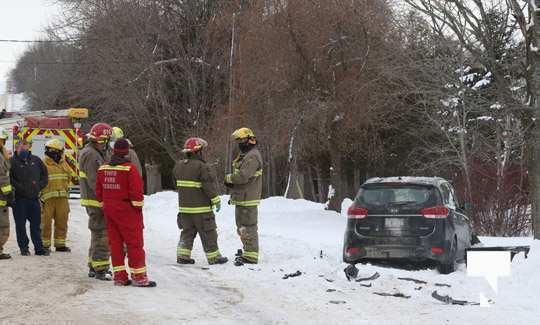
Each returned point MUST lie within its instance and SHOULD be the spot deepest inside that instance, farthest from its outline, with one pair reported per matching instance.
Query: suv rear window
(378, 196)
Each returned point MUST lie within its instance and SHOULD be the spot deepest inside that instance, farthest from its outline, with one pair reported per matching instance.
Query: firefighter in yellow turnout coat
(197, 196)
(55, 197)
(6, 194)
(245, 184)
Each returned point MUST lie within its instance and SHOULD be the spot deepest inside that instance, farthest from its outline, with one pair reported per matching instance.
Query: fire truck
(38, 127)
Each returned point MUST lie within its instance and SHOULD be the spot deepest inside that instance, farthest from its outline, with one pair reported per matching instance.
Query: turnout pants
(125, 231)
(57, 209)
(28, 210)
(203, 224)
(98, 254)
(246, 224)
(4, 227)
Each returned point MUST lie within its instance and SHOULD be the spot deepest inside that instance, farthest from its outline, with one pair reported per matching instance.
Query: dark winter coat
(28, 176)
(196, 185)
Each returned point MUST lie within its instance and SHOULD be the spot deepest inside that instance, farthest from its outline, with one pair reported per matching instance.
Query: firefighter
(197, 198)
(119, 186)
(6, 194)
(132, 155)
(90, 159)
(55, 196)
(245, 185)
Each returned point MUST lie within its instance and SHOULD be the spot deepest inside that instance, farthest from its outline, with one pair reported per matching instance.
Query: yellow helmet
(117, 133)
(55, 144)
(3, 134)
(243, 133)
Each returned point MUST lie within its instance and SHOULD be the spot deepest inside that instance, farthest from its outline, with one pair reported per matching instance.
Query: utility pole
(228, 161)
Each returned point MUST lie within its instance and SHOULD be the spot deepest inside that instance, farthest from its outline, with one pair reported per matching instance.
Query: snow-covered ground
(294, 236)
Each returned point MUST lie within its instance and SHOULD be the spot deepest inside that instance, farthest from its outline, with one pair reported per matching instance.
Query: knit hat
(121, 147)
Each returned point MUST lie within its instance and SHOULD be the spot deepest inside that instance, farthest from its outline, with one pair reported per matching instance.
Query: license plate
(394, 223)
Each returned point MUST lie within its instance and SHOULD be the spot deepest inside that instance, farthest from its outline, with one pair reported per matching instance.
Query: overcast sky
(21, 19)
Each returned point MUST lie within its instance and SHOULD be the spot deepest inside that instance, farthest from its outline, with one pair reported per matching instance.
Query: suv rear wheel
(450, 265)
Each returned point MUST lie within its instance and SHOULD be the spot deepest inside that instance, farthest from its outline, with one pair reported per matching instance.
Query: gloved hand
(217, 207)
(179, 220)
(10, 199)
(229, 185)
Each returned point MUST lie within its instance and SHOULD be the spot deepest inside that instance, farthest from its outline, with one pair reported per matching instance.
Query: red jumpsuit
(120, 188)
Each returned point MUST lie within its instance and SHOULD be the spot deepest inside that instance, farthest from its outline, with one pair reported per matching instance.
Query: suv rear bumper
(358, 247)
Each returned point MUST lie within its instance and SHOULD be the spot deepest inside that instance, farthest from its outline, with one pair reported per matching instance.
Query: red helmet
(100, 132)
(194, 145)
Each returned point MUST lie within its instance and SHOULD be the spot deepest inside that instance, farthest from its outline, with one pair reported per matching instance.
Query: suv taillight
(356, 213)
(438, 212)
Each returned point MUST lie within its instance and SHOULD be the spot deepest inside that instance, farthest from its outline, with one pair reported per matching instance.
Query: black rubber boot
(91, 272)
(5, 256)
(219, 260)
(240, 260)
(180, 260)
(64, 249)
(103, 275)
(43, 252)
(145, 284)
(25, 252)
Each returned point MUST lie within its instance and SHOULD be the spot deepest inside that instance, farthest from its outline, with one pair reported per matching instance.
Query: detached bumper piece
(512, 249)
(450, 301)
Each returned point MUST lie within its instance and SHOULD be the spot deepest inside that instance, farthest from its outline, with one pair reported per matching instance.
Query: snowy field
(295, 236)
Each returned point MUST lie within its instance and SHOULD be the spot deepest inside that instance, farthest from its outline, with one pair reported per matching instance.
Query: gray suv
(415, 218)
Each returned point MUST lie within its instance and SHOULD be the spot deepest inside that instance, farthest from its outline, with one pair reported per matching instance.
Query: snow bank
(295, 235)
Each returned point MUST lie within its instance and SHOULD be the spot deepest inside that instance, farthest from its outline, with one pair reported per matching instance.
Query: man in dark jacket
(28, 177)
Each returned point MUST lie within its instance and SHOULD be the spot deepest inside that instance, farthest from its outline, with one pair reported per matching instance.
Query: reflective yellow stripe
(252, 203)
(6, 189)
(98, 263)
(137, 203)
(46, 243)
(138, 271)
(191, 184)
(195, 210)
(258, 173)
(56, 176)
(251, 256)
(119, 268)
(91, 203)
(122, 168)
(212, 255)
(183, 251)
(216, 200)
(3, 203)
(228, 178)
(59, 242)
(82, 174)
(49, 195)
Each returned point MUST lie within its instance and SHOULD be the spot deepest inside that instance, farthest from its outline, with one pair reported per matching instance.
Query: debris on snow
(450, 301)
(351, 272)
(337, 302)
(375, 276)
(292, 275)
(330, 290)
(413, 280)
(397, 295)
(443, 285)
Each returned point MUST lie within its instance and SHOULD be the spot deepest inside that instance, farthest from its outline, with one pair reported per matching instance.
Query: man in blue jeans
(28, 177)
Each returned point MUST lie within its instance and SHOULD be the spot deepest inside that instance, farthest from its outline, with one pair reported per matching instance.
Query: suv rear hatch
(396, 210)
